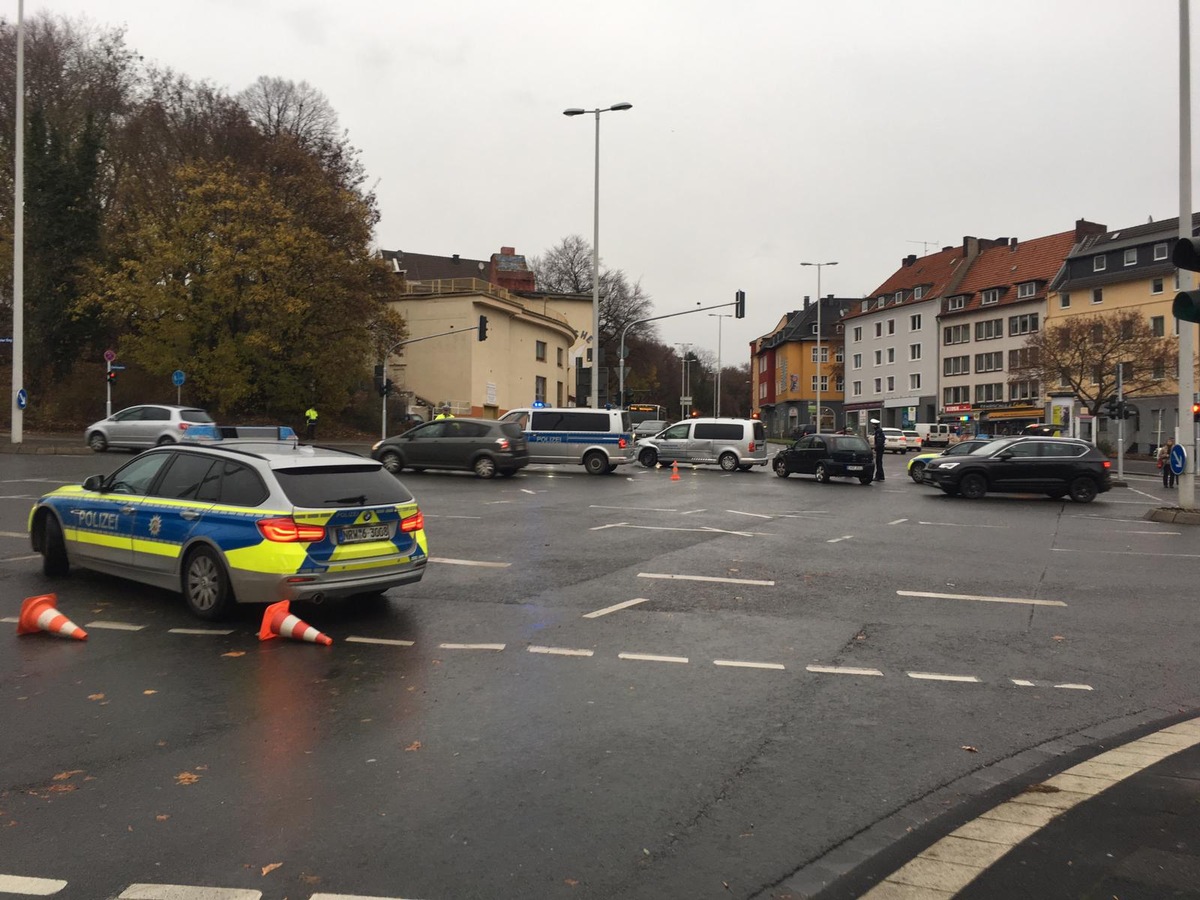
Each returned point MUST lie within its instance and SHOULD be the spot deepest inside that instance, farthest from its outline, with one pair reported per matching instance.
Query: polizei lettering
(102, 521)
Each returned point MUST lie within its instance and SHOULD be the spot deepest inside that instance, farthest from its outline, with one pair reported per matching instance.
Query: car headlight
(946, 465)
(375, 446)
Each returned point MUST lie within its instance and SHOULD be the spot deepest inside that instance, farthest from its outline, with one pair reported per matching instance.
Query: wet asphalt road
(677, 747)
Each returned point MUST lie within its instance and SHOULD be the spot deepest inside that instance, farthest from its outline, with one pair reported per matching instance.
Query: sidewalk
(71, 444)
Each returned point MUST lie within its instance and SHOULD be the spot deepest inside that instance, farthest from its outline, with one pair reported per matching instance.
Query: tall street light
(819, 267)
(595, 398)
(717, 394)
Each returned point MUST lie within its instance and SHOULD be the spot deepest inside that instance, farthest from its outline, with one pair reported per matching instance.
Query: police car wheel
(915, 470)
(596, 463)
(54, 549)
(205, 584)
(97, 442)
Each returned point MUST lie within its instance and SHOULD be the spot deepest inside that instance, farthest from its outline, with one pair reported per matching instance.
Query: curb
(1173, 515)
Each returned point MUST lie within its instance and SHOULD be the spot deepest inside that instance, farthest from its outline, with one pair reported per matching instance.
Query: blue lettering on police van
(89, 518)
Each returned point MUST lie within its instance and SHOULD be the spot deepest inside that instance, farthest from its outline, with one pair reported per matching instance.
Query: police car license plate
(357, 533)
(854, 468)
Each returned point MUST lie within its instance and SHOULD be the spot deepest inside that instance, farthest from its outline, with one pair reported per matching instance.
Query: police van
(597, 439)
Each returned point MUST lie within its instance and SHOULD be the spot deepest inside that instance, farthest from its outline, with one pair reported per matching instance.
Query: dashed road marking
(741, 664)
(634, 508)
(36, 887)
(838, 540)
(13, 534)
(1128, 553)
(469, 562)
(185, 892)
(962, 524)
(496, 647)
(1074, 687)
(692, 512)
(898, 522)
(349, 897)
(938, 676)
(10, 620)
(843, 670)
(1021, 682)
(706, 578)
(1172, 533)
(561, 651)
(615, 607)
(979, 597)
(201, 631)
(22, 558)
(651, 657)
(704, 530)
(738, 512)
(387, 642)
(115, 626)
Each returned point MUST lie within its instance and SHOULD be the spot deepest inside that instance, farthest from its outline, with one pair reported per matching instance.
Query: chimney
(1083, 228)
(909, 260)
(454, 258)
(806, 301)
(508, 251)
(1012, 244)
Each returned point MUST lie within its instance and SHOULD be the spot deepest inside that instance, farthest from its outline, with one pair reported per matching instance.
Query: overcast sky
(763, 132)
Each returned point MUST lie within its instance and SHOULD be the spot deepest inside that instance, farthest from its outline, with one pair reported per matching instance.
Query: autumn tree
(1082, 353)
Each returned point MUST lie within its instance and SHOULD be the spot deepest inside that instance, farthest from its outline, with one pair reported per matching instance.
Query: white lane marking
(747, 665)
(36, 887)
(898, 522)
(1144, 494)
(22, 558)
(1074, 687)
(471, 646)
(1109, 519)
(938, 676)
(692, 512)
(185, 892)
(650, 657)
(980, 598)
(17, 497)
(962, 524)
(115, 626)
(738, 512)
(704, 530)
(844, 537)
(634, 508)
(199, 631)
(1169, 533)
(528, 491)
(497, 502)
(706, 578)
(469, 562)
(1021, 682)
(560, 651)
(435, 516)
(843, 670)
(10, 619)
(386, 642)
(614, 525)
(611, 609)
(14, 534)
(1128, 553)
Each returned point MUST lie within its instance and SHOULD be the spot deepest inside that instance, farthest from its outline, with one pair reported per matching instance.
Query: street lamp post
(717, 394)
(683, 379)
(819, 267)
(595, 397)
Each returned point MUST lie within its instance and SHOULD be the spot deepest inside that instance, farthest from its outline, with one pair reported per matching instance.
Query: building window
(1023, 390)
(814, 327)
(559, 354)
(990, 297)
(959, 394)
(866, 304)
(1131, 256)
(989, 330)
(1160, 252)
(539, 389)
(857, 392)
(858, 360)
(918, 293)
(1026, 324)
(814, 382)
(1099, 264)
(956, 334)
(891, 326)
(891, 383)
(1156, 286)
(1026, 289)
(899, 296)
(879, 385)
(840, 355)
(914, 351)
(955, 303)
(857, 333)
(956, 365)
(824, 354)
(539, 351)
(1064, 301)
(989, 362)
(914, 382)
(891, 354)
(1022, 357)
(878, 329)
(824, 383)
(1158, 325)
(914, 322)
(879, 357)
(839, 384)
(989, 393)
(1097, 295)
(1159, 372)
(559, 401)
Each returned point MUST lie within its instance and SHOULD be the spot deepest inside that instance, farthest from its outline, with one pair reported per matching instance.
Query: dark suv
(827, 456)
(1025, 465)
(482, 446)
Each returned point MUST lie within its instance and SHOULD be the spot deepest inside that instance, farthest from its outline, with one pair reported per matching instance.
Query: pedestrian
(1164, 463)
(445, 413)
(880, 444)
(310, 420)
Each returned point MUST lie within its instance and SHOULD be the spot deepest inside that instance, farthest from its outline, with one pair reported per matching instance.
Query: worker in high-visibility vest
(310, 418)
(445, 413)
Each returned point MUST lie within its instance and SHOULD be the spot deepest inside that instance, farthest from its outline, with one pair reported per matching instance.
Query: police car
(224, 517)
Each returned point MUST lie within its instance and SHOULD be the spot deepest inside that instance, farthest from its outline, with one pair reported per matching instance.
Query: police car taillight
(288, 530)
(413, 523)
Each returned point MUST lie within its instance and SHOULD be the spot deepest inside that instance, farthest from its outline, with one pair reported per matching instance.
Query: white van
(730, 443)
(936, 435)
(597, 439)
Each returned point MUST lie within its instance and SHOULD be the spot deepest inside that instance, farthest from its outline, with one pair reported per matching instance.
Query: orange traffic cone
(41, 614)
(278, 622)
(674, 471)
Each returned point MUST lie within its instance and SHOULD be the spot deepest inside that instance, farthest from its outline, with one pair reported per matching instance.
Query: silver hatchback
(139, 427)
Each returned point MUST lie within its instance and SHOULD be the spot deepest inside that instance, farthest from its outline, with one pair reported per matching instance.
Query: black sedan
(483, 446)
(1025, 465)
(827, 456)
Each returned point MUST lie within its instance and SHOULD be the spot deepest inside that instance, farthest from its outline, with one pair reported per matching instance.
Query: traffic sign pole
(107, 389)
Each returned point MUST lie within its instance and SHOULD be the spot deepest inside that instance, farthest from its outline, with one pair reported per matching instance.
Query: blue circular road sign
(1178, 459)
(177, 377)
(22, 399)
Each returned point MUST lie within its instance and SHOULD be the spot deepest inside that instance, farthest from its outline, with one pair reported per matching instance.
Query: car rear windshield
(849, 442)
(337, 486)
(511, 430)
(195, 415)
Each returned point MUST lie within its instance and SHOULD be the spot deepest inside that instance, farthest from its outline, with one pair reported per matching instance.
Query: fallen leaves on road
(415, 745)
(162, 817)
(186, 778)
(969, 748)
(1058, 637)
(570, 882)
(1041, 789)
(95, 696)
(65, 776)
(148, 693)
(233, 653)
(268, 869)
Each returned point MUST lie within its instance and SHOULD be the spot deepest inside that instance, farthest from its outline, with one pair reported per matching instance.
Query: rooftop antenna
(925, 245)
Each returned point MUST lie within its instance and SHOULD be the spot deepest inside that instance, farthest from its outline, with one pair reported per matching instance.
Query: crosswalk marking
(35, 887)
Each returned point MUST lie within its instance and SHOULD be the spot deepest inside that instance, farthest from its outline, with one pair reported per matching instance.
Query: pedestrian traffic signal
(1186, 255)
(739, 305)
(483, 328)
(111, 377)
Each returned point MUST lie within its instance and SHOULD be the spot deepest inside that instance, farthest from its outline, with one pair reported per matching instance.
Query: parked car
(894, 440)
(238, 521)
(649, 428)
(483, 446)
(916, 465)
(139, 427)
(730, 443)
(1045, 465)
(827, 456)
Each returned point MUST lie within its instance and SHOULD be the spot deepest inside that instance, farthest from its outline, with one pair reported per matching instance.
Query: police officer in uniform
(880, 443)
(310, 418)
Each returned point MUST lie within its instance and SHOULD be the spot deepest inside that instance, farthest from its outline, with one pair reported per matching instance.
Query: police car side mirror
(93, 482)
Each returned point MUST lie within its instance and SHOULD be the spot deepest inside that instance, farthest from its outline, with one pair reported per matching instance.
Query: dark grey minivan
(483, 446)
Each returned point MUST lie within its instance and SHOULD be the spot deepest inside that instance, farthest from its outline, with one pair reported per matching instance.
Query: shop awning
(1030, 412)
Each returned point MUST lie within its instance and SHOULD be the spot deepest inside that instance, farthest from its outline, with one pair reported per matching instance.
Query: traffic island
(1173, 515)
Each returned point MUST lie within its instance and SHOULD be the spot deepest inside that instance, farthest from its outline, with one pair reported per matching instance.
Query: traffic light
(386, 388)
(379, 379)
(111, 377)
(1196, 412)
(1186, 255)
(739, 305)
(483, 328)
